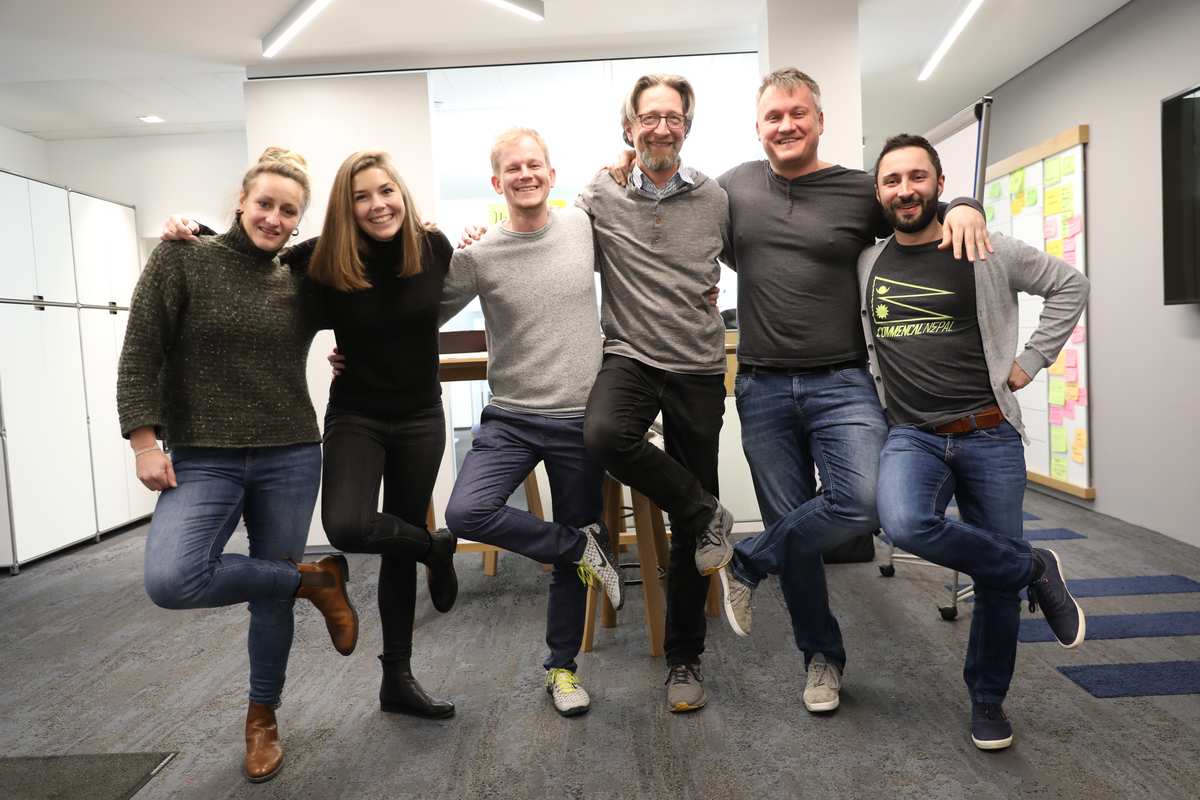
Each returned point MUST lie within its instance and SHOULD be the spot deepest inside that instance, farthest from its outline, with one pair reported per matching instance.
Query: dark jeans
(505, 450)
(404, 454)
(625, 399)
(985, 470)
(792, 425)
(274, 489)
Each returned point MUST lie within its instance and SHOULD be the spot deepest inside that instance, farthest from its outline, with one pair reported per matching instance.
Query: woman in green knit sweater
(214, 365)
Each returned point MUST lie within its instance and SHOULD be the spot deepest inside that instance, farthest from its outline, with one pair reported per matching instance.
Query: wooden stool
(650, 535)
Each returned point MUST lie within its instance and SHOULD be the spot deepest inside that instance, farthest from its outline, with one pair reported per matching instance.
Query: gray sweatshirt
(538, 294)
(658, 257)
(1014, 267)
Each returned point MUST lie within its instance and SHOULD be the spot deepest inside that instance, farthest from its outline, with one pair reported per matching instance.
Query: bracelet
(144, 450)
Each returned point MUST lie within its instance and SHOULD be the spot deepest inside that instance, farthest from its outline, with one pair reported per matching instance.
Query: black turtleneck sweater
(388, 333)
(215, 348)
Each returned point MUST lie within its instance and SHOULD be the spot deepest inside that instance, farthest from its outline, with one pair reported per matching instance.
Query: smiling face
(524, 175)
(270, 210)
(908, 187)
(378, 204)
(789, 126)
(658, 146)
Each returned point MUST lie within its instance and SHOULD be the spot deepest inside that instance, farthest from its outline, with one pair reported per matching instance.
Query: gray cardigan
(1014, 267)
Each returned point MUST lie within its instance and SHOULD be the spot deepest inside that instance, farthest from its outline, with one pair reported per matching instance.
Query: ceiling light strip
(948, 42)
(295, 21)
(533, 10)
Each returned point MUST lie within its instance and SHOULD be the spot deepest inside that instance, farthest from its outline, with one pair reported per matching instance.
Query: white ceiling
(73, 69)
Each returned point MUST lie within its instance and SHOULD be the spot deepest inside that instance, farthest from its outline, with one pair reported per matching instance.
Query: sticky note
(994, 189)
(1071, 258)
(990, 212)
(1050, 170)
(1068, 409)
(1067, 165)
(1016, 182)
(1074, 225)
(1056, 415)
(1055, 248)
(1058, 468)
(1031, 197)
(1082, 400)
(1018, 204)
(1050, 228)
(1058, 439)
(1057, 392)
(1070, 357)
(1079, 335)
(1069, 245)
(1054, 200)
(1079, 445)
(1071, 375)
(1059, 367)
(1068, 200)
(1072, 392)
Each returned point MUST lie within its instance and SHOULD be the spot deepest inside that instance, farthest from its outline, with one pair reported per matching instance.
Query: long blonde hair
(337, 261)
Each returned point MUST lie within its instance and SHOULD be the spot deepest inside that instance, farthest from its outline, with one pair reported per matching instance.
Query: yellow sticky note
(1016, 182)
(1059, 366)
(1055, 247)
(1057, 393)
(1054, 201)
(1058, 439)
(1072, 392)
(1079, 446)
(1018, 204)
(1058, 468)
(1068, 200)
(1050, 171)
(1081, 438)
(1068, 165)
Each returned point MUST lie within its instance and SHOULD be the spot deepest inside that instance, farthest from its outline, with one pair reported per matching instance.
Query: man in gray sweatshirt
(943, 337)
(658, 239)
(534, 276)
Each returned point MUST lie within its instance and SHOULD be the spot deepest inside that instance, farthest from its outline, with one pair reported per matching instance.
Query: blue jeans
(985, 471)
(275, 490)
(792, 423)
(506, 449)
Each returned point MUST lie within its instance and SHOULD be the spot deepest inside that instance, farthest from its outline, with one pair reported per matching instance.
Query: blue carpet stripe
(1136, 680)
(1051, 534)
(1122, 626)
(1131, 586)
(1025, 515)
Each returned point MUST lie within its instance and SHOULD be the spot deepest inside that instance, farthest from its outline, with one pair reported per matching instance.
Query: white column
(820, 38)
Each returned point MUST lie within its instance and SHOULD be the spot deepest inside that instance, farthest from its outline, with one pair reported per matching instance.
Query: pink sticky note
(1070, 358)
(1079, 335)
(1082, 396)
(1050, 228)
(1069, 245)
(1074, 225)
(1056, 415)
(1071, 375)
(1069, 410)
(1070, 258)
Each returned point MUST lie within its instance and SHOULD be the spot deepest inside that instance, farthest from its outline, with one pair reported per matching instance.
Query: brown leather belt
(989, 417)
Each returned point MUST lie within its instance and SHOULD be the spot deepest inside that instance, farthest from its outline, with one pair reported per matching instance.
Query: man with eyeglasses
(805, 398)
(658, 239)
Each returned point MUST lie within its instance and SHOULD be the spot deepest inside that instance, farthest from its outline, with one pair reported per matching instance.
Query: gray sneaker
(739, 599)
(685, 690)
(823, 687)
(598, 567)
(570, 699)
(713, 549)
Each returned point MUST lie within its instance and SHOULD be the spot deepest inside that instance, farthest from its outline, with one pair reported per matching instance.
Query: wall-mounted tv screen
(1181, 197)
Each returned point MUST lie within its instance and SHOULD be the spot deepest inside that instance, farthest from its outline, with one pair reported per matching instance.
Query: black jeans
(404, 454)
(625, 399)
(506, 449)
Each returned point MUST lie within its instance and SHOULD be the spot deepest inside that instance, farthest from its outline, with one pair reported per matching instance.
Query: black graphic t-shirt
(926, 332)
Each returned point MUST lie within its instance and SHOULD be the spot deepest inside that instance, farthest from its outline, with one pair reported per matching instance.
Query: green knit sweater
(216, 347)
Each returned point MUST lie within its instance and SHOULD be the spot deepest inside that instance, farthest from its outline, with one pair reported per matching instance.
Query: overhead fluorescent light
(533, 10)
(948, 42)
(151, 119)
(295, 21)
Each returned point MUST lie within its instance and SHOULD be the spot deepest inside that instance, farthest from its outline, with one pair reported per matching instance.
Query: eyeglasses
(650, 121)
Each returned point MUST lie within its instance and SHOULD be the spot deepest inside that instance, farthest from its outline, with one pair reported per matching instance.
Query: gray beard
(658, 163)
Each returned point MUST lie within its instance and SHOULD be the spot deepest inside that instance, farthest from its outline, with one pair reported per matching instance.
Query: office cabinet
(51, 224)
(104, 236)
(18, 278)
(45, 429)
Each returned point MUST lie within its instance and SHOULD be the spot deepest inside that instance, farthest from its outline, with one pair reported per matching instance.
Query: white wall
(1144, 355)
(198, 175)
(23, 154)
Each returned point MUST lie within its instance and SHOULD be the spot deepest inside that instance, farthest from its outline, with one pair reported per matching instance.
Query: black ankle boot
(401, 694)
(439, 569)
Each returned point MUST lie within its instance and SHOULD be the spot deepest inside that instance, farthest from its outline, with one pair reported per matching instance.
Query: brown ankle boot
(324, 583)
(264, 756)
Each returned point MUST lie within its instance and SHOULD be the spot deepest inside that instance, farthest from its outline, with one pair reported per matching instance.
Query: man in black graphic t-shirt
(942, 337)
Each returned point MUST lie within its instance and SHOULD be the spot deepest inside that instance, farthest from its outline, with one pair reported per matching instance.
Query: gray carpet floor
(89, 665)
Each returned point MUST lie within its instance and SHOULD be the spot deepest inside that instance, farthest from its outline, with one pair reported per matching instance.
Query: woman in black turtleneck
(375, 276)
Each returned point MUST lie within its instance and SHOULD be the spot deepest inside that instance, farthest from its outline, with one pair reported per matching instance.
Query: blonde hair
(790, 79)
(512, 136)
(676, 82)
(282, 162)
(337, 261)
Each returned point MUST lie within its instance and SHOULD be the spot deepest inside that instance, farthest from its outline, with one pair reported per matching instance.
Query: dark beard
(929, 207)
